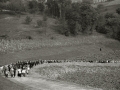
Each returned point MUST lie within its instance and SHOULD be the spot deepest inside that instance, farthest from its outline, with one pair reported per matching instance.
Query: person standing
(6, 71)
(14, 67)
(19, 72)
(12, 72)
(27, 69)
(24, 71)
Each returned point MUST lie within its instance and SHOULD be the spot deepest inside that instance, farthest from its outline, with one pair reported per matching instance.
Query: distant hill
(114, 2)
(110, 3)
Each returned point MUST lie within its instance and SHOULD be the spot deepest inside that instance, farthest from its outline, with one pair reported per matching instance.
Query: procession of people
(22, 68)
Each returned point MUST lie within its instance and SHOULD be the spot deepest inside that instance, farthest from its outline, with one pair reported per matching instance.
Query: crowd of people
(22, 68)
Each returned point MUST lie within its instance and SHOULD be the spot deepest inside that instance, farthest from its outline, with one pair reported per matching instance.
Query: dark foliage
(118, 11)
(17, 7)
(41, 7)
(28, 20)
(39, 23)
(109, 25)
(81, 18)
(33, 6)
(4, 1)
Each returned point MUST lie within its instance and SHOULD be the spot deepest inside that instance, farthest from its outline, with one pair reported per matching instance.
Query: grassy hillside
(14, 28)
(110, 3)
(109, 9)
(114, 2)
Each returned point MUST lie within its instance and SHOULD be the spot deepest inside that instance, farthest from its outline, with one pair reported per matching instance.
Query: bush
(118, 11)
(41, 7)
(109, 15)
(44, 17)
(63, 28)
(39, 23)
(29, 37)
(28, 20)
(52, 38)
(4, 36)
(101, 29)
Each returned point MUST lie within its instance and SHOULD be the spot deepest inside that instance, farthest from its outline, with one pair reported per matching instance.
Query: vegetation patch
(105, 77)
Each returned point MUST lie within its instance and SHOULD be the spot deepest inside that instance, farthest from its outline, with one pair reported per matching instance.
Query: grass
(111, 56)
(105, 77)
(109, 3)
(26, 44)
(114, 2)
(109, 9)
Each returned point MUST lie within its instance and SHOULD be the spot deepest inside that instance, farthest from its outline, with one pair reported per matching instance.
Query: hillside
(114, 2)
(109, 4)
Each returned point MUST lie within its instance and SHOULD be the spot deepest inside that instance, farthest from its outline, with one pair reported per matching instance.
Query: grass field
(95, 75)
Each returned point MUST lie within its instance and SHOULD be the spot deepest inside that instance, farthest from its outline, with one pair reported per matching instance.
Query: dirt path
(36, 83)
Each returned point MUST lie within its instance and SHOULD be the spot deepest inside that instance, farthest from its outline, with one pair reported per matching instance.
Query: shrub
(44, 17)
(39, 23)
(41, 7)
(109, 15)
(101, 29)
(52, 38)
(29, 37)
(4, 36)
(118, 11)
(63, 28)
(28, 20)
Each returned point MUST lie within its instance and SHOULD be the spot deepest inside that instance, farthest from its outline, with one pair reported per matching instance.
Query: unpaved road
(34, 82)
(43, 84)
